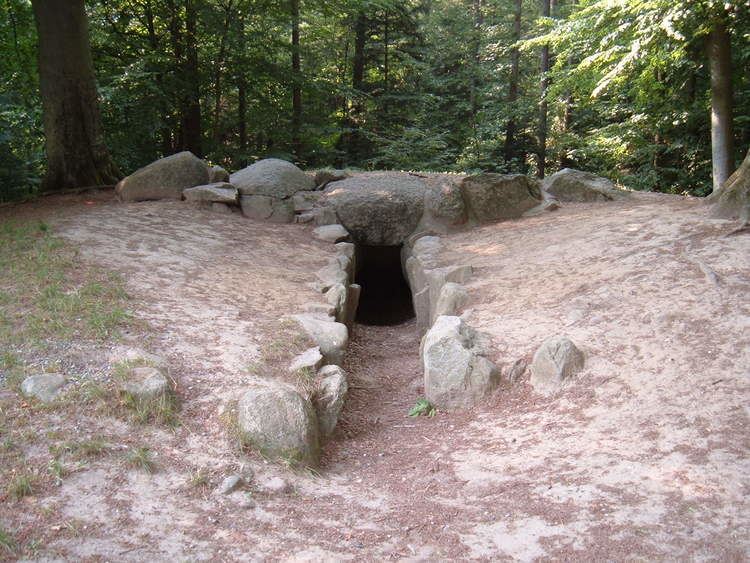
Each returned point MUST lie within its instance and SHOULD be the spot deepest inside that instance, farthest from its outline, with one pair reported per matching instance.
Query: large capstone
(164, 179)
(279, 423)
(379, 208)
(457, 373)
(578, 186)
(493, 197)
(272, 177)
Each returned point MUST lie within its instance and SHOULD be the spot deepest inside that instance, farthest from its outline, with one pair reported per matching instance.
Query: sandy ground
(644, 455)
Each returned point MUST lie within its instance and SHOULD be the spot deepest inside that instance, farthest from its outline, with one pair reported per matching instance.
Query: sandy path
(645, 456)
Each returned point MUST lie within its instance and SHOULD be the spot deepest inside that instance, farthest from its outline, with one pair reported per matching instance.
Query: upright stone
(278, 422)
(457, 373)
(493, 197)
(556, 360)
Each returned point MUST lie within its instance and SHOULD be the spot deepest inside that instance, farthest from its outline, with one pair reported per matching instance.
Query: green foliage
(423, 407)
(629, 94)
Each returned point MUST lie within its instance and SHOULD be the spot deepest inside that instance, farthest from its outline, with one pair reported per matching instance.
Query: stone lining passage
(386, 298)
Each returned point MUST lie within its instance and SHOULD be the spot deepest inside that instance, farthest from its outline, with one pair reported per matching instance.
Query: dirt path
(645, 456)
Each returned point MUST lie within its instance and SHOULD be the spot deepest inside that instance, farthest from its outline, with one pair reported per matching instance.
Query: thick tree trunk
(515, 57)
(191, 119)
(296, 82)
(722, 134)
(74, 141)
(541, 157)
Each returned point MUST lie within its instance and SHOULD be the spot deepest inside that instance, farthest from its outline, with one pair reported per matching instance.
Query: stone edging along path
(372, 209)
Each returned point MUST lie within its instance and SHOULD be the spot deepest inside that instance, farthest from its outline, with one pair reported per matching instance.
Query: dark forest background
(620, 88)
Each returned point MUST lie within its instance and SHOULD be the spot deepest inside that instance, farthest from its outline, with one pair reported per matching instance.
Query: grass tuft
(21, 486)
(7, 543)
(141, 458)
(161, 409)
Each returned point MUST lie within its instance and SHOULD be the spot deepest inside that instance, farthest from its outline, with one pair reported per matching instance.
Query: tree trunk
(386, 62)
(544, 66)
(722, 135)
(242, 93)
(74, 140)
(515, 57)
(217, 74)
(353, 139)
(475, 78)
(296, 82)
(191, 119)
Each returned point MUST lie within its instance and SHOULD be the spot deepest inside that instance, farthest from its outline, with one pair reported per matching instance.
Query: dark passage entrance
(385, 297)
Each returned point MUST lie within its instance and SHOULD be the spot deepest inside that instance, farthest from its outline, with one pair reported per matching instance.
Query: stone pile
(374, 209)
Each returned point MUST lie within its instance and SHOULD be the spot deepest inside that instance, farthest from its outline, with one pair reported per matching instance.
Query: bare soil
(644, 455)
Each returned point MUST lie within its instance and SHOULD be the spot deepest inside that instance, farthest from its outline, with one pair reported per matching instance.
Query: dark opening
(385, 297)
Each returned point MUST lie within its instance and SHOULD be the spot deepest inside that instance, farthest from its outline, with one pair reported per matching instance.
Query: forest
(622, 88)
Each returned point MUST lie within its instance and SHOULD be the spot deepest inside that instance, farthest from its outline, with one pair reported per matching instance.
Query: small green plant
(423, 407)
(161, 409)
(230, 422)
(92, 392)
(198, 479)
(7, 543)
(9, 360)
(21, 487)
(57, 470)
(141, 458)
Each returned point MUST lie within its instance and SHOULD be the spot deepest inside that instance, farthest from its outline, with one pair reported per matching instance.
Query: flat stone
(578, 186)
(331, 233)
(311, 359)
(230, 484)
(43, 387)
(220, 192)
(304, 201)
(332, 274)
(452, 298)
(324, 216)
(324, 309)
(266, 208)
(329, 398)
(331, 337)
(328, 175)
(222, 208)
(146, 383)
(546, 205)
